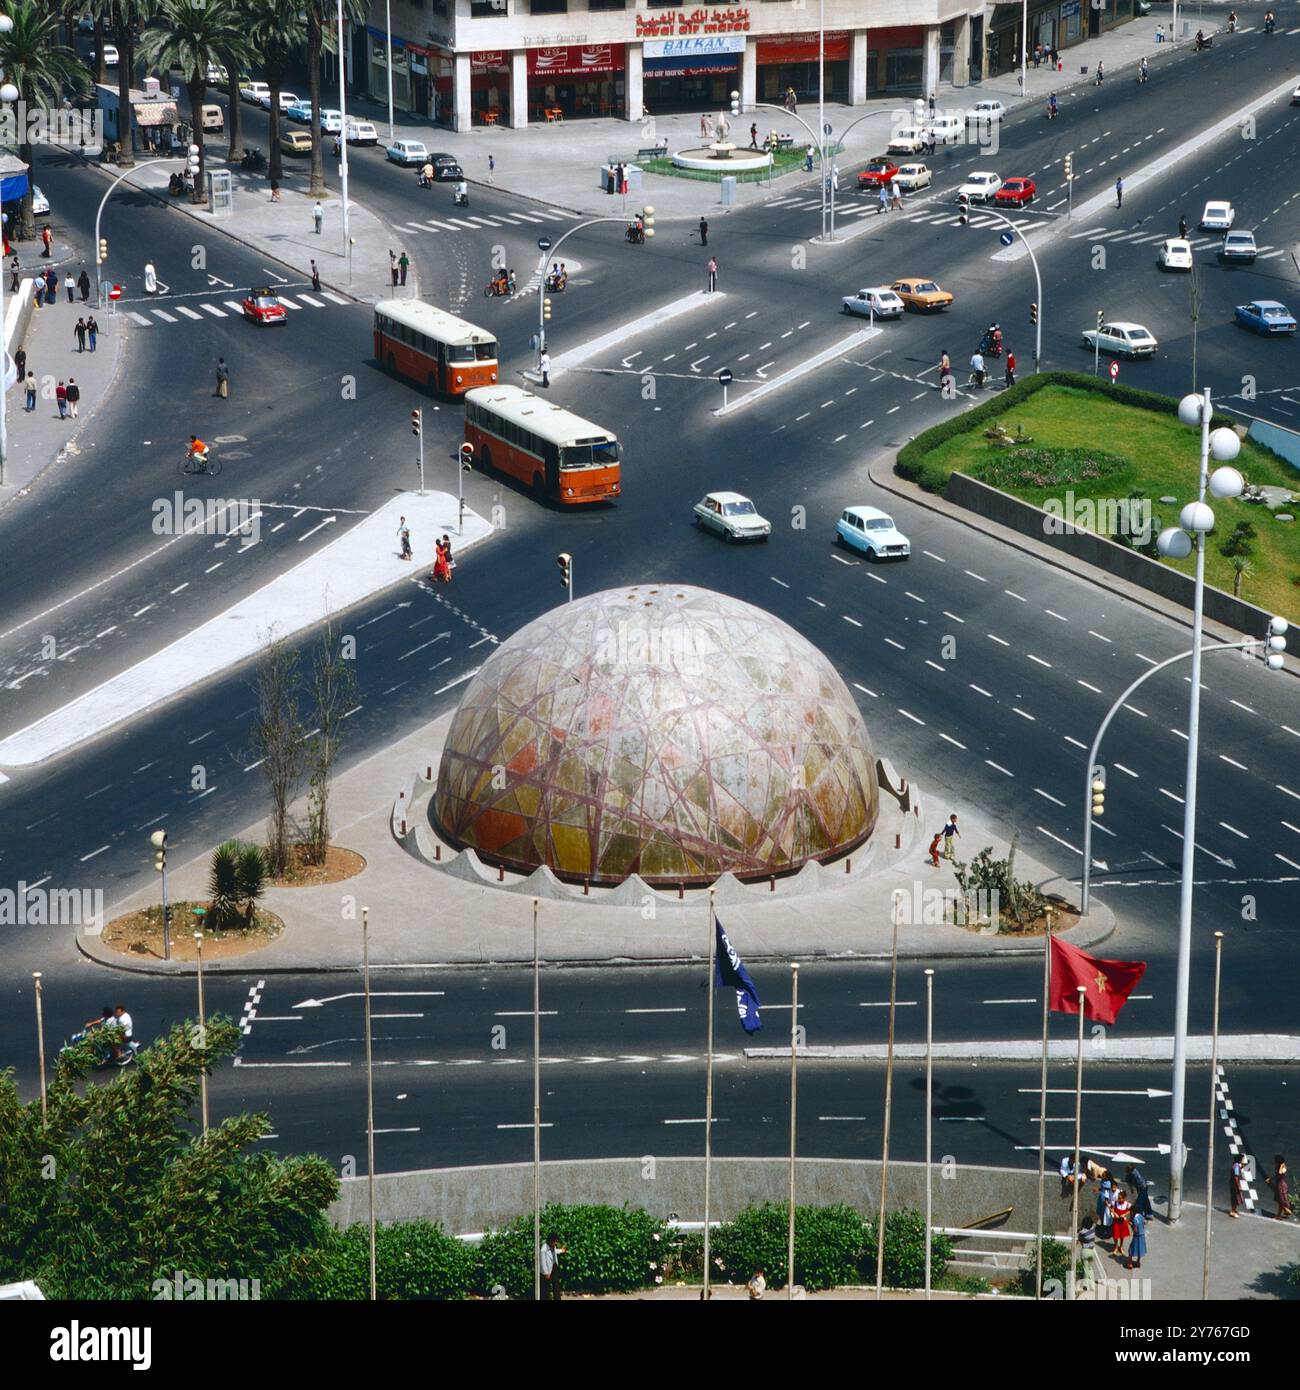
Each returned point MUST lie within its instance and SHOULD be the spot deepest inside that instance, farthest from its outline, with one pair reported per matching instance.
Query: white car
(909, 140)
(287, 99)
(110, 55)
(331, 120)
(984, 111)
(911, 177)
(361, 133)
(40, 203)
(873, 302)
(946, 130)
(253, 92)
(1238, 246)
(873, 532)
(731, 515)
(217, 76)
(1295, 97)
(980, 187)
(1218, 217)
(1122, 340)
(408, 152)
(1174, 254)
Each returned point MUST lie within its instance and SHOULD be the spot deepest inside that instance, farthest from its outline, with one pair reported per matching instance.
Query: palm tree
(279, 32)
(193, 35)
(41, 68)
(235, 149)
(322, 38)
(1241, 569)
(121, 19)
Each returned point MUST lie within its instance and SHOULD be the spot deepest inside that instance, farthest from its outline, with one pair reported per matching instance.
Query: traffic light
(103, 249)
(159, 842)
(546, 305)
(1098, 790)
(1033, 314)
(1069, 167)
(415, 423)
(648, 221)
(565, 562)
(963, 204)
(735, 103)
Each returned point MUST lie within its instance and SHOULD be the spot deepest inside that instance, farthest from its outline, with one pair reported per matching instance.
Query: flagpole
(929, 1119)
(1078, 1148)
(537, 1114)
(708, 1095)
(794, 1095)
(1042, 1106)
(889, 1098)
(1214, 1114)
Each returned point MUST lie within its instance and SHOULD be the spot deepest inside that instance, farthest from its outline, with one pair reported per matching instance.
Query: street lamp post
(818, 139)
(343, 145)
(1038, 280)
(8, 95)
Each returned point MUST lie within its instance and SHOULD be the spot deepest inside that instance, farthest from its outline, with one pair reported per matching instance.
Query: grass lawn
(783, 162)
(1136, 450)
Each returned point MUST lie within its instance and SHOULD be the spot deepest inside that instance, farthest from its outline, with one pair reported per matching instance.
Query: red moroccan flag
(1108, 982)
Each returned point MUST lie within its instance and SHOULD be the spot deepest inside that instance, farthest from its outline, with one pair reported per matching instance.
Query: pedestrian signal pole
(159, 842)
(417, 431)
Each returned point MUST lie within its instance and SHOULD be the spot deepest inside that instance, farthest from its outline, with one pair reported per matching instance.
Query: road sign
(826, 129)
(725, 376)
(1007, 238)
(115, 292)
(1114, 371)
(543, 244)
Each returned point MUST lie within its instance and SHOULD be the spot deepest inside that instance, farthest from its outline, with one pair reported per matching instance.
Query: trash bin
(633, 175)
(728, 190)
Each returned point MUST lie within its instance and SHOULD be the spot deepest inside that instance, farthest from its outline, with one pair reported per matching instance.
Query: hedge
(828, 1245)
(413, 1260)
(910, 461)
(905, 1251)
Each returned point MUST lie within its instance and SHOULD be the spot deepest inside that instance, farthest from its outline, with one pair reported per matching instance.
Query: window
(662, 4)
(460, 353)
(486, 9)
(607, 4)
(548, 6)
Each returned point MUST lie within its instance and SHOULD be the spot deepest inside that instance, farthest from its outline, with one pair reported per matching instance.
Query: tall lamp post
(343, 139)
(8, 95)
(1196, 520)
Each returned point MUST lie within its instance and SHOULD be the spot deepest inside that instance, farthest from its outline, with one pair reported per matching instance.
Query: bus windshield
(599, 455)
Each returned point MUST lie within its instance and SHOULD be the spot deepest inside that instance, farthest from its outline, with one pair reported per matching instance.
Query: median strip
(809, 364)
(621, 336)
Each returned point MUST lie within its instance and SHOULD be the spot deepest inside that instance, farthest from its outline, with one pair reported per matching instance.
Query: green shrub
(828, 1244)
(413, 1260)
(237, 876)
(1056, 1271)
(905, 1251)
(609, 1250)
(1012, 468)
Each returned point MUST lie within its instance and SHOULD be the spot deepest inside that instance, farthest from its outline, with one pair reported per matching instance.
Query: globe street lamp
(1196, 521)
(8, 95)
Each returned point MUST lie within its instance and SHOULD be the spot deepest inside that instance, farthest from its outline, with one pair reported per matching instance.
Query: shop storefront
(792, 61)
(578, 80)
(689, 73)
(379, 68)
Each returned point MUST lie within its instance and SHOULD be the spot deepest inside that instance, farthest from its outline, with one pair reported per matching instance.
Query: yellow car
(295, 142)
(920, 294)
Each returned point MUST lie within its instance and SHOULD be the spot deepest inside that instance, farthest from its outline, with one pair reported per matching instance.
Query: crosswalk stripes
(287, 302)
(189, 313)
(302, 301)
(307, 299)
(333, 298)
(440, 226)
(213, 310)
(139, 318)
(233, 304)
(165, 316)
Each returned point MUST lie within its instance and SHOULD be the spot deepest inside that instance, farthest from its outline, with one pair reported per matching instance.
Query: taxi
(1016, 192)
(262, 306)
(921, 294)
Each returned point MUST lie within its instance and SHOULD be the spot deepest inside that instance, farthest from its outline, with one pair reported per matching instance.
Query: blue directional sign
(1007, 238)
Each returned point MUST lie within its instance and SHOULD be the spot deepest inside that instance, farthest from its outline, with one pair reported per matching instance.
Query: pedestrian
(70, 285)
(884, 200)
(1119, 193)
(223, 379)
(392, 266)
(1160, 33)
(808, 160)
(80, 332)
(1105, 1191)
(544, 366)
(83, 284)
(1137, 1246)
(441, 564)
(51, 285)
(1088, 1234)
(318, 217)
(1120, 1227)
(72, 394)
(61, 396)
(29, 385)
(950, 834)
(713, 274)
(20, 363)
(932, 104)
(1280, 1182)
(945, 365)
(753, 135)
(704, 232)
(404, 538)
(92, 331)
(47, 240)
(39, 291)
(315, 277)
(934, 848)
(1141, 1192)
(492, 168)
(792, 101)
(15, 270)
(1011, 368)
(549, 1256)
(275, 191)
(704, 126)
(338, 147)
(403, 265)
(446, 550)
(1069, 1173)
(1236, 1185)
(757, 1284)
(896, 194)
(977, 379)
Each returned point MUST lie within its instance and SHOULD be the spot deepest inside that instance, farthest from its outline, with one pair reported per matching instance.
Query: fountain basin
(722, 158)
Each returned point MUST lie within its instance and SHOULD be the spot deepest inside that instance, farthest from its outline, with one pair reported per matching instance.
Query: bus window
(576, 456)
(485, 352)
(459, 353)
(605, 453)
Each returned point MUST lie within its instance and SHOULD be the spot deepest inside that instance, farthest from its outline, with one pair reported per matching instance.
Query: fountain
(720, 156)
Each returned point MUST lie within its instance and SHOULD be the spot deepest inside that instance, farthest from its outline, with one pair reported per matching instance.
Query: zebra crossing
(475, 222)
(179, 313)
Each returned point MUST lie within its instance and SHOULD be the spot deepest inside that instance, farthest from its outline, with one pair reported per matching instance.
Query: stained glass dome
(667, 731)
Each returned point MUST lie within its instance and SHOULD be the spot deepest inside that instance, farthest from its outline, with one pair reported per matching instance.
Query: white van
(947, 130)
(253, 92)
(213, 117)
(360, 133)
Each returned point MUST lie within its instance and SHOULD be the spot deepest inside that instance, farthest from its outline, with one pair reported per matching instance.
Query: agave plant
(253, 874)
(224, 886)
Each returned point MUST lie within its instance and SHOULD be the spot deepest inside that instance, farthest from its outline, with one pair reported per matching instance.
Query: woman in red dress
(1120, 1226)
(441, 568)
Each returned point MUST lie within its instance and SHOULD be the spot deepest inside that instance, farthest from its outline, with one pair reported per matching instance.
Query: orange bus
(561, 456)
(433, 347)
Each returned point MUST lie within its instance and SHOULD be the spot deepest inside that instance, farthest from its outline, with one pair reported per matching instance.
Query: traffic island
(139, 935)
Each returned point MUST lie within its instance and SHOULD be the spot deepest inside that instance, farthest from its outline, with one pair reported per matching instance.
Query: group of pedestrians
(978, 371)
(67, 393)
(46, 284)
(443, 564)
(1117, 1219)
(86, 333)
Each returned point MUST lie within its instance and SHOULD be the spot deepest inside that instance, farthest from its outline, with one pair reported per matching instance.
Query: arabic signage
(587, 60)
(698, 21)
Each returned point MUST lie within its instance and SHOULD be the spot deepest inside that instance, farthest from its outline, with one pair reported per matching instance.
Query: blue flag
(730, 972)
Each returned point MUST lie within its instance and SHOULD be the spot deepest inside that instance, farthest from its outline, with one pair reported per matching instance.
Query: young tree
(323, 37)
(279, 34)
(121, 19)
(334, 693)
(277, 742)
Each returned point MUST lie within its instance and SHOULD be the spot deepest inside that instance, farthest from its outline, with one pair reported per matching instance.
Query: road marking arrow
(374, 994)
(1151, 1093)
(217, 280)
(387, 614)
(1227, 863)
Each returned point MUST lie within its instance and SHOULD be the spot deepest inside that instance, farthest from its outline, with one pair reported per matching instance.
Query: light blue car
(300, 111)
(873, 532)
(1265, 316)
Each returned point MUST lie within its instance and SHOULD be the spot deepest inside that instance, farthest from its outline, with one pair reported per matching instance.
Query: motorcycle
(104, 1057)
(635, 234)
(460, 200)
(1269, 25)
(503, 286)
(555, 284)
(991, 345)
(253, 159)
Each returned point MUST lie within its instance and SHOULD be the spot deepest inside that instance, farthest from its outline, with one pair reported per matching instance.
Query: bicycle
(200, 463)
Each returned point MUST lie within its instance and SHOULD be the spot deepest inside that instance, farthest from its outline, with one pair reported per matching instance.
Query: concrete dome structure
(665, 730)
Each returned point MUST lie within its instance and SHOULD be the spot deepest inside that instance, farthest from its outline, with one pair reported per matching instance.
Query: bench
(785, 142)
(652, 152)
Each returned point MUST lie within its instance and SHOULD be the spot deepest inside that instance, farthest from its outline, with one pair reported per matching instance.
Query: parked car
(1122, 339)
(878, 302)
(407, 152)
(110, 56)
(873, 532)
(287, 99)
(1016, 192)
(731, 515)
(921, 294)
(213, 117)
(295, 142)
(877, 171)
(253, 92)
(360, 133)
(262, 306)
(1265, 316)
(300, 111)
(445, 168)
(1218, 217)
(912, 177)
(1174, 254)
(331, 120)
(217, 75)
(40, 203)
(980, 186)
(1238, 246)
(1295, 97)
(984, 111)
(909, 140)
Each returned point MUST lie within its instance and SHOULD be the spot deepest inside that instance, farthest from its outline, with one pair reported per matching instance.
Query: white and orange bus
(559, 455)
(433, 347)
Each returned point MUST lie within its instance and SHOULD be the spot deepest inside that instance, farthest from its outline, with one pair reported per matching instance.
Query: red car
(879, 170)
(262, 306)
(1016, 192)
